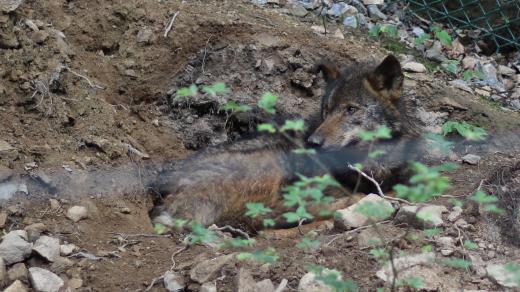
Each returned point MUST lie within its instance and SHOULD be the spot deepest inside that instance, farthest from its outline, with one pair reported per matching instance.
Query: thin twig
(354, 231)
(126, 235)
(84, 77)
(205, 52)
(232, 229)
(379, 191)
(170, 24)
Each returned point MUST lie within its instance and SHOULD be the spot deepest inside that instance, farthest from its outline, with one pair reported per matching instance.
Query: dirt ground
(86, 104)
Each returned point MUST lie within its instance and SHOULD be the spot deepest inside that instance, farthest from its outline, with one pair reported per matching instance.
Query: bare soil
(70, 134)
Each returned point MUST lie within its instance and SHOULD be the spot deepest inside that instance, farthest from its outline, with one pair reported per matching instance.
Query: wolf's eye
(351, 109)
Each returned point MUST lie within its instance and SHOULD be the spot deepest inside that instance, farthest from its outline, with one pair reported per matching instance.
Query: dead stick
(170, 24)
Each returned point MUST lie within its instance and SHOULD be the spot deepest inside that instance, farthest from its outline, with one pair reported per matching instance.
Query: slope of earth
(88, 107)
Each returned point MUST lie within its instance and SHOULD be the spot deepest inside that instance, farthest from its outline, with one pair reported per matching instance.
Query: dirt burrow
(71, 138)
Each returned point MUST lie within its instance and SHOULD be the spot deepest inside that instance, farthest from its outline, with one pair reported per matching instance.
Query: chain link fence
(498, 21)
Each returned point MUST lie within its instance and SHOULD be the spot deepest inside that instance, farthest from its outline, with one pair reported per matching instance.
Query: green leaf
(427, 248)
(268, 255)
(187, 91)
(483, 198)
(470, 245)
(452, 66)
(179, 223)
(238, 242)
(269, 223)
(296, 125)
(456, 202)
(234, 107)
(266, 128)
(432, 232)
(421, 39)
(200, 234)
(436, 142)
(256, 209)
(216, 89)
(464, 129)
(267, 102)
(457, 263)
(492, 208)
(158, 228)
(308, 243)
(444, 37)
(382, 132)
(414, 282)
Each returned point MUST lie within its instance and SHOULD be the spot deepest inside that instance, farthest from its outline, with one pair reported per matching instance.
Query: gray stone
(3, 272)
(61, 264)
(77, 213)
(308, 283)
(75, 283)
(369, 238)
(16, 286)
(9, 5)
(350, 21)
(515, 104)
(245, 281)
(426, 216)
(445, 242)
(447, 252)
(8, 41)
(264, 286)
(34, 231)
(469, 62)
(455, 214)
(461, 84)
(18, 272)
(342, 9)
(67, 249)
(405, 263)
(47, 247)
(373, 2)
(360, 7)
(490, 77)
(14, 247)
(310, 4)
(496, 97)
(44, 280)
(471, 159)
(297, 9)
(3, 219)
(417, 31)
(173, 282)
(144, 35)
(415, 67)
(207, 270)
(375, 13)
(477, 264)
(435, 53)
(208, 287)
(500, 274)
(506, 71)
(352, 217)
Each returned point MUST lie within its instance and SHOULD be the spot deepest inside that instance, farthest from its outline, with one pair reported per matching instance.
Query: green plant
(464, 129)
(442, 35)
(332, 278)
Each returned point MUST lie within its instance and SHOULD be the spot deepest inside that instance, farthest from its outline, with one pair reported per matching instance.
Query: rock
(308, 283)
(461, 84)
(39, 37)
(3, 272)
(208, 287)
(455, 214)
(515, 104)
(18, 272)
(342, 9)
(14, 247)
(350, 21)
(414, 67)
(67, 249)
(445, 241)
(490, 77)
(352, 216)
(245, 281)
(500, 274)
(302, 78)
(373, 2)
(435, 53)
(338, 34)
(3, 219)
(417, 31)
(482, 92)
(506, 71)
(61, 264)
(75, 283)
(426, 216)
(131, 73)
(469, 63)
(447, 252)
(16, 286)
(144, 35)
(47, 247)
(296, 9)
(477, 264)
(259, 2)
(360, 7)
(77, 213)
(264, 286)
(369, 238)
(496, 97)
(173, 282)
(375, 13)
(34, 231)
(44, 281)
(405, 263)
(9, 5)
(55, 204)
(471, 159)
(208, 269)
(8, 41)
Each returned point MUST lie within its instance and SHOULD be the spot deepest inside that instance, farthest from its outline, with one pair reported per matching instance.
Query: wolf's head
(358, 99)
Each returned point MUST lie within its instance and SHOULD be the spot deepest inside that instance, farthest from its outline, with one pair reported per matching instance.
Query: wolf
(215, 185)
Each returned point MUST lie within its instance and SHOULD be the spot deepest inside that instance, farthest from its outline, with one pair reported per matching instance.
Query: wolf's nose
(316, 140)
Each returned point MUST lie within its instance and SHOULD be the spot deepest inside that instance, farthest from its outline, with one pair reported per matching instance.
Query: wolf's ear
(386, 81)
(330, 71)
